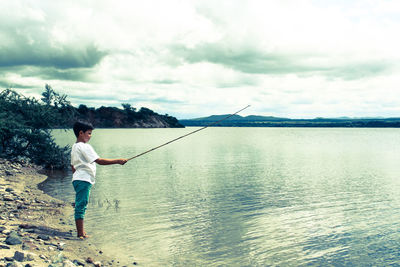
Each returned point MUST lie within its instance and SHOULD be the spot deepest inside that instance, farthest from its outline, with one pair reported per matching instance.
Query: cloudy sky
(188, 58)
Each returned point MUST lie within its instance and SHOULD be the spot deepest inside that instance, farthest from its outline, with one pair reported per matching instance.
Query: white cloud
(195, 58)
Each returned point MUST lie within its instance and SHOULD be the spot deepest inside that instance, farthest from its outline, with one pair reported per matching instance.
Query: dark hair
(82, 126)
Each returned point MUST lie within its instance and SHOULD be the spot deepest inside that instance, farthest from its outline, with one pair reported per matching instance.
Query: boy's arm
(102, 161)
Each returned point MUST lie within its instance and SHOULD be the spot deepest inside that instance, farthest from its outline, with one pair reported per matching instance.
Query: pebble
(18, 206)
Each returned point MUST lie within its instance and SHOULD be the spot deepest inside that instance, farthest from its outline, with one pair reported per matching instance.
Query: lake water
(245, 196)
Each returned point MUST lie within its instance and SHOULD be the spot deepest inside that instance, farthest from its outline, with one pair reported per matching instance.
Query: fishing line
(180, 137)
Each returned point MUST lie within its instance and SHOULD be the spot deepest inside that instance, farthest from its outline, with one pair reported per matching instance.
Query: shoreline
(37, 229)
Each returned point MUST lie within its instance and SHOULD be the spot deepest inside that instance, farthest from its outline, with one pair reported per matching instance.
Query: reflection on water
(246, 196)
(98, 200)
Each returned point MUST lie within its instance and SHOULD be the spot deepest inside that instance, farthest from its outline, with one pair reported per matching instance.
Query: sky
(189, 59)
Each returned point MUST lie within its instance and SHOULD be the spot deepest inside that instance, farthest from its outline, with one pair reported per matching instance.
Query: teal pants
(82, 190)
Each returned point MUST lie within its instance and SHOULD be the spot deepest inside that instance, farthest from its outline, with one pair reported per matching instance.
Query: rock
(4, 247)
(19, 256)
(8, 258)
(79, 262)
(97, 264)
(2, 228)
(29, 245)
(44, 237)
(24, 256)
(61, 246)
(9, 189)
(135, 263)
(14, 264)
(7, 232)
(58, 258)
(68, 263)
(26, 226)
(13, 239)
(89, 260)
(31, 256)
(8, 173)
(8, 198)
(43, 257)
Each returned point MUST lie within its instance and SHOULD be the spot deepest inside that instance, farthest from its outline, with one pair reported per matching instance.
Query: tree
(26, 124)
(83, 109)
(130, 112)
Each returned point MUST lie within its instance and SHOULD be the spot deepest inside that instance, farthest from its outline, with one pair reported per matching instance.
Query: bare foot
(84, 236)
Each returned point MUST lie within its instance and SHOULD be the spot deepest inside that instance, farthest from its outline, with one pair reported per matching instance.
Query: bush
(26, 124)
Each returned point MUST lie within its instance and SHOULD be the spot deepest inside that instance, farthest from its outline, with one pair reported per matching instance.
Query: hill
(128, 117)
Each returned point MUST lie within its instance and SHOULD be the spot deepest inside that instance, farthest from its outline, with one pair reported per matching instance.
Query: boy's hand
(102, 161)
(122, 161)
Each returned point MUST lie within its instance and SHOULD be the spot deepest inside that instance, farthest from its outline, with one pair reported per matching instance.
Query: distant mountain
(218, 117)
(269, 121)
(214, 118)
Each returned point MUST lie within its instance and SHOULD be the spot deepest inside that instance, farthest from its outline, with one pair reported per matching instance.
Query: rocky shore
(38, 230)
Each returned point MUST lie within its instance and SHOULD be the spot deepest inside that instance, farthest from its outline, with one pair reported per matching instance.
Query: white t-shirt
(82, 158)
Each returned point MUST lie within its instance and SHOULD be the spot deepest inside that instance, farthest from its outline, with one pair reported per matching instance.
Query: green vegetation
(26, 124)
(261, 121)
(25, 127)
(128, 117)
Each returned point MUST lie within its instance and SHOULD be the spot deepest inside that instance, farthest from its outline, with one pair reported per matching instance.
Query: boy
(83, 163)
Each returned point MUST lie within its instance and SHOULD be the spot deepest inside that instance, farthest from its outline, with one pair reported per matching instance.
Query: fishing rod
(180, 137)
